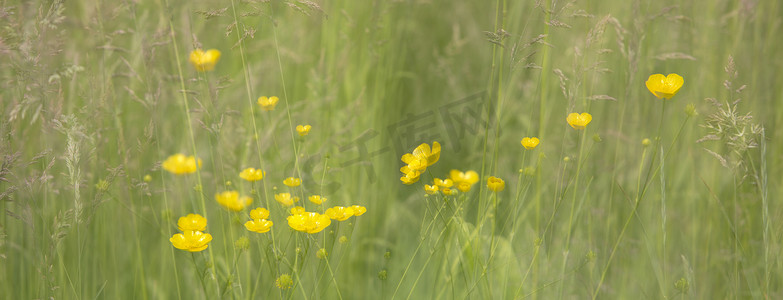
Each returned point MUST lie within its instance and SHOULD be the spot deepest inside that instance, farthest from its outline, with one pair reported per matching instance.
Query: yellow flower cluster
(342, 213)
(310, 222)
(259, 222)
(252, 174)
(180, 164)
(192, 238)
(418, 161)
(443, 185)
(458, 180)
(204, 61)
(232, 201)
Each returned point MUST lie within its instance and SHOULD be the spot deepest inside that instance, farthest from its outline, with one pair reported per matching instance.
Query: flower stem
(190, 129)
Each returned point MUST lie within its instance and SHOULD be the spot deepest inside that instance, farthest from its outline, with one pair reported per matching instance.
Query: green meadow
(667, 191)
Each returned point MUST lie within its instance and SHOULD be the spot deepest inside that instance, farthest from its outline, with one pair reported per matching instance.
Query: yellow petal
(430, 189)
(212, 55)
(434, 156)
(422, 151)
(654, 83)
(408, 158)
(586, 118)
(259, 213)
(192, 222)
(409, 178)
(358, 210)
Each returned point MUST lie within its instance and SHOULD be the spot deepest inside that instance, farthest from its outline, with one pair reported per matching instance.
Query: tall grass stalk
(188, 123)
(581, 139)
(663, 220)
(251, 105)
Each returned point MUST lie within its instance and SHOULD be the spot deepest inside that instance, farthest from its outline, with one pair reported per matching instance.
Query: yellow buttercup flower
(292, 182)
(303, 129)
(418, 161)
(193, 241)
(317, 199)
(431, 189)
(269, 103)
(469, 177)
(180, 164)
(339, 213)
(530, 143)
(310, 222)
(204, 61)
(192, 222)
(286, 199)
(231, 200)
(259, 213)
(578, 121)
(252, 174)
(259, 225)
(297, 210)
(358, 210)
(449, 191)
(664, 87)
(446, 183)
(496, 184)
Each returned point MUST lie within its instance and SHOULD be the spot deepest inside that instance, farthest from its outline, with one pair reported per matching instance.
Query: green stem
(200, 274)
(413, 256)
(190, 130)
(285, 98)
(246, 74)
(625, 226)
(581, 138)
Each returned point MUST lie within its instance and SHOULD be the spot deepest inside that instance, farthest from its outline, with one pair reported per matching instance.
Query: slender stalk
(200, 274)
(765, 209)
(285, 98)
(663, 222)
(625, 226)
(246, 74)
(191, 134)
(329, 267)
(581, 138)
(529, 267)
(413, 256)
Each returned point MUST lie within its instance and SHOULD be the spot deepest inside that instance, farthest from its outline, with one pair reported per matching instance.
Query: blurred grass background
(92, 102)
